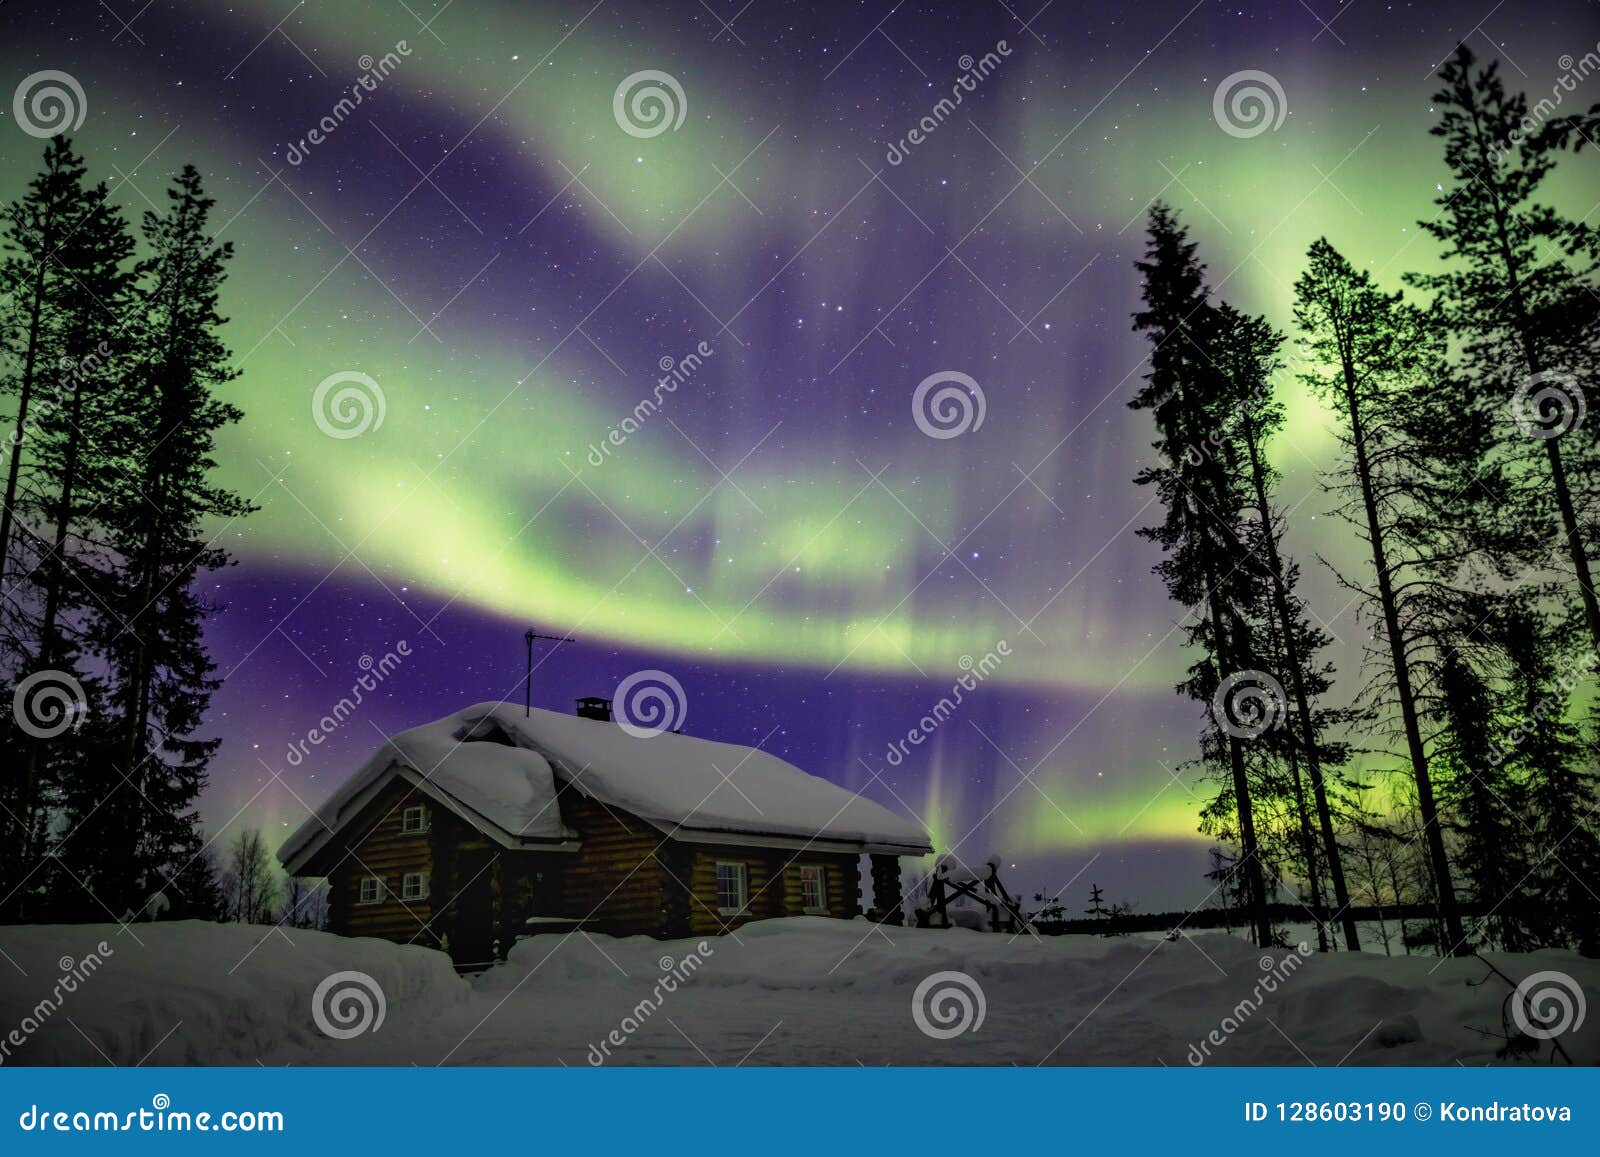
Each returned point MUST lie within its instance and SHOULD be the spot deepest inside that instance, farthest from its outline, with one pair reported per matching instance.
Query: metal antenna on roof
(527, 682)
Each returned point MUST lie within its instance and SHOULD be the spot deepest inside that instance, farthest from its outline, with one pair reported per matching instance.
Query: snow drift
(196, 993)
(795, 991)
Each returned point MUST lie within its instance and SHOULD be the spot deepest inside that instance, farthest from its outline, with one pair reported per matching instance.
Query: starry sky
(497, 249)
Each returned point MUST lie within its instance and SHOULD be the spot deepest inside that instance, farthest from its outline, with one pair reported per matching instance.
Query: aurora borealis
(482, 239)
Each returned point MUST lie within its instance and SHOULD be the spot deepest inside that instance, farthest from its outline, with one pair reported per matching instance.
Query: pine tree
(33, 279)
(1574, 131)
(1483, 804)
(1374, 355)
(1189, 398)
(161, 679)
(1283, 780)
(63, 282)
(1518, 289)
(1249, 352)
(1546, 752)
(72, 476)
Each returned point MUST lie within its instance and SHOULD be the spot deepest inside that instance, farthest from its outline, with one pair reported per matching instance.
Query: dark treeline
(1392, 926)
(109, 362)
(1459, 787)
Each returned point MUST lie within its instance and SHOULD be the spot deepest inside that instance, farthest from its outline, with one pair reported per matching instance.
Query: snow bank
(195, 992)
(819, 991)
(795, 991)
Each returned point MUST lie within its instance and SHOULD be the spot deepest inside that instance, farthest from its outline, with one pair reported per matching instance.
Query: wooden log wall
(627, 878)
(886, 898)
(615, 878)
(377, 847)
(774, 884)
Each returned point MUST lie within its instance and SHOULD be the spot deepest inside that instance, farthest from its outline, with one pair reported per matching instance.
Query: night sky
(509, 267)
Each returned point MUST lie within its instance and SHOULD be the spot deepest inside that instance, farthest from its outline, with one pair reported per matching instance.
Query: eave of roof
(303, 847)
(529, 734)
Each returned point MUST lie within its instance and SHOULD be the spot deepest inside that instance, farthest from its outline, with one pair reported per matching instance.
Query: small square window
(414, 819)
(814, 889)
(733, 888)
(371, 890)
(414, 886)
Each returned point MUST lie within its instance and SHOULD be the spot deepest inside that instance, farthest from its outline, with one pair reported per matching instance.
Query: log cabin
(493, 823)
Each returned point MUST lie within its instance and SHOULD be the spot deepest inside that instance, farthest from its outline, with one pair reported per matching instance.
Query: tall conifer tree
(62, 281)
(1248, 352)
(1371, 356)
(1188, 397)
(161, 677)
(1518, 290)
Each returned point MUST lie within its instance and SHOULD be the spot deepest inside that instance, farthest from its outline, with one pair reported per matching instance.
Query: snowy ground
(811, 991)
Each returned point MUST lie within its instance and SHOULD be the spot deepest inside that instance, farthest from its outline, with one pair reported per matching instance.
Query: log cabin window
(371, 890)
(414, 819)
(733, 888)
(414, 886)
(813, 890)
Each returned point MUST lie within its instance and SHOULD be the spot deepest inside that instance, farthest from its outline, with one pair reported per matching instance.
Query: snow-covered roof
(501, 770)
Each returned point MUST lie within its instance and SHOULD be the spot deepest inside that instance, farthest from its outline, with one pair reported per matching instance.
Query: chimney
(594, 707)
